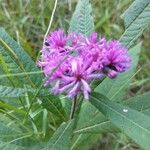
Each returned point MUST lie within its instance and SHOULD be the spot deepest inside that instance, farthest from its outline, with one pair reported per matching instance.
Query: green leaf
(8, 66)
(116, 88)
(82, 20)
(94, 122)
(15, 135)
(22, 60)
(136, 18)
(133, 11)
(10, 92)
(7, 132)
(53, 104)
(84, 141)
(10, 146)
(140, 102)
(10, 131)
(97, 123)
(61, 138)
(135, 124)
(79, 141)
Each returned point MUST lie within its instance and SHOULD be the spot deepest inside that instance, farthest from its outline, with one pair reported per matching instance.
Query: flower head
(70, 62)
(56, 39)
(115, 59)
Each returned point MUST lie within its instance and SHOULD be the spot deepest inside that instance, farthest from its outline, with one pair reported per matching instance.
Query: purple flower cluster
(70, 62)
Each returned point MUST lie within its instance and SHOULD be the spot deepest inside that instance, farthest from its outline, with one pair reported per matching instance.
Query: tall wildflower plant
(76, 90)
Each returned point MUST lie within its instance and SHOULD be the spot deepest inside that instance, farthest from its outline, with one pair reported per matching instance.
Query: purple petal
(95, 76)
(55, 89)
(74, 91)
(74, 66)
(94, 37)
(86, 94)
(112, 74)
(86, 86)
(68, 79)
(66, 87)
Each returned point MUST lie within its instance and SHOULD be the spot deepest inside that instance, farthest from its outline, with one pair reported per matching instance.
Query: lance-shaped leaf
(84, 141)
(82, 20)
(8, 66)
(10, 146)
(136, 18)
(20, 58)
(62, 137)
(10, 92)
(14, 134)
(53, 104)
(99, 124)
(94, 122)
(133, 123)
(140, 102)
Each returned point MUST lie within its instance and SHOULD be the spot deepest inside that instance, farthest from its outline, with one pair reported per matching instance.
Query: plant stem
(73, 108)
(51, 19)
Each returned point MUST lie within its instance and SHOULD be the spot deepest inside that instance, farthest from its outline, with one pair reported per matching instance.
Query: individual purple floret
(70, 62)
(115, 59)
(56, 40)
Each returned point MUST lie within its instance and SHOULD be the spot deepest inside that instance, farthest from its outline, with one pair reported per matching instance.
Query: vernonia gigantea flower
(79, 60)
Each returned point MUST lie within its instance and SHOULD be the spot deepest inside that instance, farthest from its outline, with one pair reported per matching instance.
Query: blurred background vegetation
(27, 21)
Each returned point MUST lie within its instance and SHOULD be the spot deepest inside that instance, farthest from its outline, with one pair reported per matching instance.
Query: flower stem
(73, 108)
(51, 19)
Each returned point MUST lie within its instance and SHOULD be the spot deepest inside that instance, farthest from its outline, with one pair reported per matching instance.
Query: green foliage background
(26, 21)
